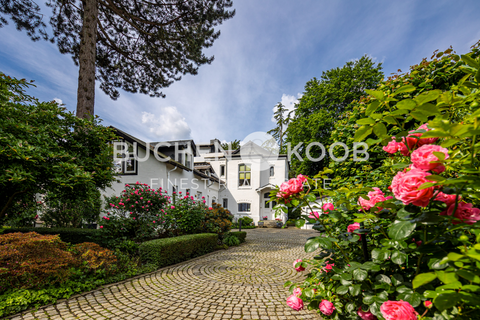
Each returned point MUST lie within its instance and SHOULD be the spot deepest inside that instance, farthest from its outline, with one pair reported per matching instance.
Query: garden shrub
(29, 260)
(187, 215)
(94, 257)
(246, 221)
(46, 148)
(236, 225)
(231, 240)
(168, 251)
(218, 220)
(137, 214)
(413, 254)
(69, 235)
(69, 209)
(241, 235)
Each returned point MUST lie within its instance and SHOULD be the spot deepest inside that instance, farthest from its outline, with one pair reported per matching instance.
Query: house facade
(247, 176)
(168, 165)
(239, 180)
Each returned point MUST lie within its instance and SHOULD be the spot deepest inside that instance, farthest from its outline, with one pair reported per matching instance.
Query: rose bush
(419, 254)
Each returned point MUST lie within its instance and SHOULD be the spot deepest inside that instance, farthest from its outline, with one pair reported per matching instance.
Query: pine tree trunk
(86, 58)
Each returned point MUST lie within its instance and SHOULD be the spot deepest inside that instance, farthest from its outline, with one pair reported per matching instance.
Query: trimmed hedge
(241, 235)
(72, 235)
(168, 251)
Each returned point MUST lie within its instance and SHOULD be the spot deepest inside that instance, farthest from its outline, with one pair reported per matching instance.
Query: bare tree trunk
(86, 74)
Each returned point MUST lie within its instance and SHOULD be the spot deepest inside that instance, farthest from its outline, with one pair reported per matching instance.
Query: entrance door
(267, 207)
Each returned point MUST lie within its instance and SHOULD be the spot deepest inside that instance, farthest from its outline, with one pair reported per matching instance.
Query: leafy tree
(322, 104)
(282, 122)
(44, 148)
(136, 45)
(233, 145)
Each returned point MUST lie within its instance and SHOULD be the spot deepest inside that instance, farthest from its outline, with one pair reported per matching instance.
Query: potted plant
(265, 218)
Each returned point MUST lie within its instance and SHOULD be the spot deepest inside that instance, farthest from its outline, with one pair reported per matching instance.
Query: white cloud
(289, 102)
(169, 124)
(58, 100)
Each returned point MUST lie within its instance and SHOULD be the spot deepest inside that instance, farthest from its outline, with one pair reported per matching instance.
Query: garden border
(110, 285)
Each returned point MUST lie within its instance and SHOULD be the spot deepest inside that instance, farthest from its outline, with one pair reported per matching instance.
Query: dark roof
(132, 139)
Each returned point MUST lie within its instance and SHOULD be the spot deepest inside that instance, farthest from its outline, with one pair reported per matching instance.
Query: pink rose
(326, 307)
(297, 292)
(375, 196)
(314, 215)
(329, 266)
(405, 187)
(328, 207)
(392, 147)
(302, 178)
(428, 304)
(353, 226)
(424, 141)
(465, 213)
(448, 199)
(210, 208)
(295, 185)
(299, 268)
(101, 227)
(423, 156)
(295, 302)
(398, 310)
(365, 315)
(172, 207)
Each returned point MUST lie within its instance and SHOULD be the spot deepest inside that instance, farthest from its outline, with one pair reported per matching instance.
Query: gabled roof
(133, 139)
(182, 142)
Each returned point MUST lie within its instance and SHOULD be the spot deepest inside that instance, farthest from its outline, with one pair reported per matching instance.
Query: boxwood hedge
(168, 251)
(241, 235)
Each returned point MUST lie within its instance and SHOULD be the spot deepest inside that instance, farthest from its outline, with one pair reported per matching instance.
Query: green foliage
(218, 220)
(187, 216)
(322, 105)
(241, 235)
(415, 252)
(168, 251)
(67, 209)
(282, 122)
(231, 240)
(44, 148)
(235, 225)
(246, 221)
(233, 145)
(69, 235)
(137, 214)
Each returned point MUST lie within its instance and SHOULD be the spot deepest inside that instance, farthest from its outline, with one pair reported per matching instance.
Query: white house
(247, 176)
(239, 180)
(167, 164)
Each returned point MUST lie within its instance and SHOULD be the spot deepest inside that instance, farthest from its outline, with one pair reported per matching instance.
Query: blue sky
(265, 55)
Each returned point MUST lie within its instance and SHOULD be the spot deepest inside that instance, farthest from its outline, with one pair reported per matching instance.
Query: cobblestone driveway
(244, 282)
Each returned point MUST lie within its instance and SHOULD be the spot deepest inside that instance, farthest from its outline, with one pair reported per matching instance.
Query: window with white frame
(244, 175)
(128, 164)
(244, 207)
(272, 171)
(266, 199)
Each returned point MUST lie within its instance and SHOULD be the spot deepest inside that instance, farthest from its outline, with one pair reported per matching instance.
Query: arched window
(272, 171)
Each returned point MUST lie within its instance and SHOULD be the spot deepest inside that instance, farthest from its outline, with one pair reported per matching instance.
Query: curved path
(244, 282)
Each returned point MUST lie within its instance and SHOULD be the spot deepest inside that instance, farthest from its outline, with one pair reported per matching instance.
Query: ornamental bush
(218, 220)
(29, 260)
(137, 214)
(412, 250)
(187, 215)
(68, 235)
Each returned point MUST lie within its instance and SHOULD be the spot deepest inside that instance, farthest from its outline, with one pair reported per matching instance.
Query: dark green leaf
(446, 300)
(360, 274)
(401, 229)
(399, 257)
